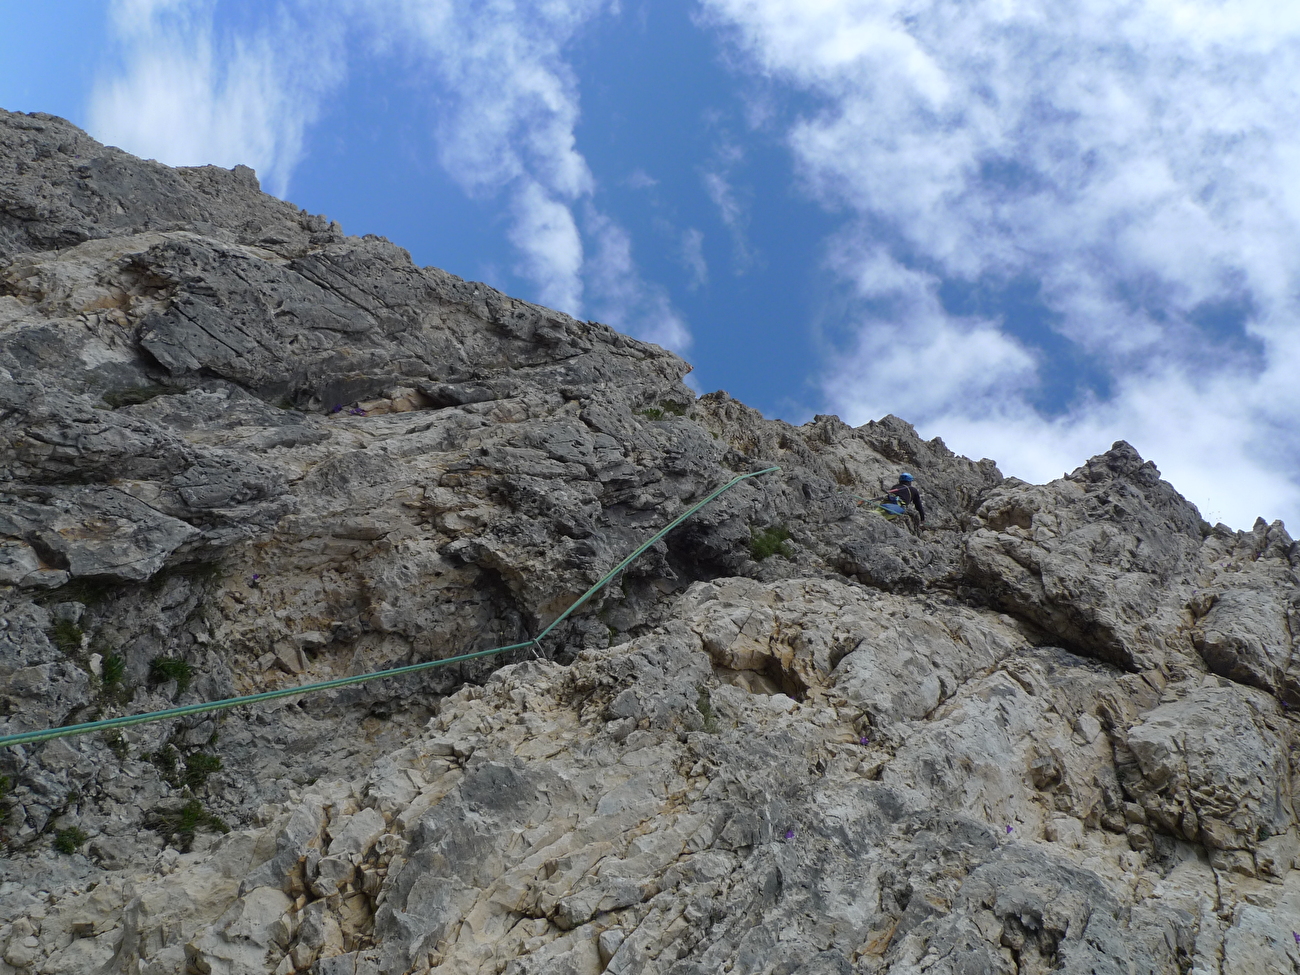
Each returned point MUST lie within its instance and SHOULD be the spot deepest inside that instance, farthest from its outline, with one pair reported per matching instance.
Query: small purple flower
(338, 408)
(789, 834)
(256, 577)
(357, 411)
(1296, 935)
(864, 740)
(1008, 830)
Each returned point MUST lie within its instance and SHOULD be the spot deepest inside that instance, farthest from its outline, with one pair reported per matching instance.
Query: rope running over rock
(32, 737)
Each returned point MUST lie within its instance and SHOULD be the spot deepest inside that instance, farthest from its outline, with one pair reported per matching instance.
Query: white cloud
(506, 111)
(508, 100)
(187, 96)
(639, 179)
(693, 257)
(1138, 161)
(731, 210)
(914, 354)
(733, 216)
(1194, 428)
(720, 192)
(548, 238)
(621, 296)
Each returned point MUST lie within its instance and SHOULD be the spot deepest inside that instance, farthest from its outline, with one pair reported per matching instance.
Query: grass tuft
(67, 840)
(664, 409)
(67, 636)
(198, 767)
(163, 669)
(181, 826)
(770, 541)
(164, 759)
(88, 592)
(113, 670)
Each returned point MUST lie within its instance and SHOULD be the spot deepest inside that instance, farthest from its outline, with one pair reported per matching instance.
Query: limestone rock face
(239, 450)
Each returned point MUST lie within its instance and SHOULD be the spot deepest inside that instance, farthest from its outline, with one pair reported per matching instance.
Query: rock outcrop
(240, 450)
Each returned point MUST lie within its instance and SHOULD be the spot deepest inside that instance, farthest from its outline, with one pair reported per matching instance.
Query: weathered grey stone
(1092, 558)
(1212, 769)
(18, 560)
(244, 937)
(356, 833)
(96, 533)
(292, 842)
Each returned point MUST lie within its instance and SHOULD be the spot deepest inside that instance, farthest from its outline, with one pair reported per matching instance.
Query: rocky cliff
(240, 450)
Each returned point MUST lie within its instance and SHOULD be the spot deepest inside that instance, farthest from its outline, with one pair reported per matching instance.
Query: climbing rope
(883, 509)
(31, 737)
(876, 502)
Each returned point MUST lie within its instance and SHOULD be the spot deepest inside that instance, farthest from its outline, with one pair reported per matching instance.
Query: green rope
(30, 737)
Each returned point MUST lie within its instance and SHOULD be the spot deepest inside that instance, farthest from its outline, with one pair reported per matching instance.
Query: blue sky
(1029, 232)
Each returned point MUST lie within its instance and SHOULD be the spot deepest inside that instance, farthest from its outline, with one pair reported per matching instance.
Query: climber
(905, 493)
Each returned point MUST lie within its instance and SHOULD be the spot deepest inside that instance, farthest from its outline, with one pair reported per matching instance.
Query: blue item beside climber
(905, 494)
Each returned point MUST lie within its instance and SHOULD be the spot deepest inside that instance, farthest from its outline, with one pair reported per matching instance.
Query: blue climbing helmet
(906, 478)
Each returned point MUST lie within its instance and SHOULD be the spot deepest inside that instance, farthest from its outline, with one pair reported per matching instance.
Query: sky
(1028, 228)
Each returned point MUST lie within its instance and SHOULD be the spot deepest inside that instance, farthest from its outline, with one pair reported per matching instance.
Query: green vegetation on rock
(181, 826)
(67, 840)
(663, 410)
(112, 677)
(67, 636)
(165, 759)
(198, 767)
(770, 541)
(704, 704)
(164, 669)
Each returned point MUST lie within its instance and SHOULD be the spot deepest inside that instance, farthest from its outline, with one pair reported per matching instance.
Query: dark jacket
(908, 494)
